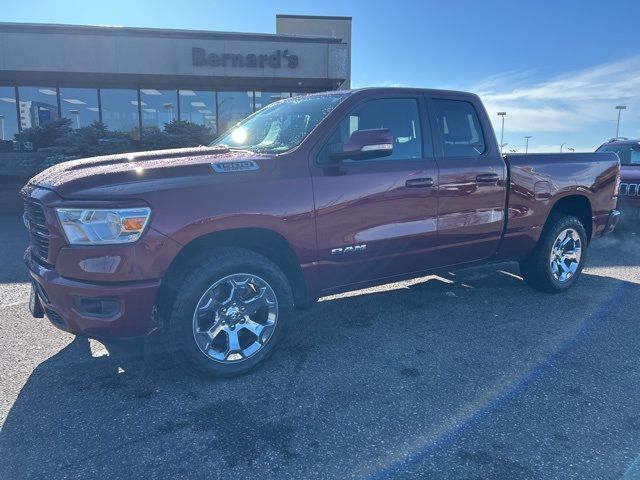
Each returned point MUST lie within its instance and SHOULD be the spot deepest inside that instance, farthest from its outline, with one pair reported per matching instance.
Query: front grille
(38, 230)
(629, 190)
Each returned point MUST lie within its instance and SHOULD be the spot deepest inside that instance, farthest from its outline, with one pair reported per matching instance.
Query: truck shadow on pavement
(361, 379)
(616, 250)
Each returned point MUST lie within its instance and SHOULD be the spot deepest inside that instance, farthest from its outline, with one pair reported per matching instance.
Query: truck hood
(128, 174)
(630, 173)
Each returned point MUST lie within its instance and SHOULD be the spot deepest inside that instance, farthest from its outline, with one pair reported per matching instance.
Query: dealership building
(131, 78)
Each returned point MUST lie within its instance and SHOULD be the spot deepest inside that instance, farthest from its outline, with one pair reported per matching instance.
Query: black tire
(536, 269)
(205, 271)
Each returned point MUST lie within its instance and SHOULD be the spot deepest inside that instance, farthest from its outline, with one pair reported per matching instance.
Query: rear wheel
(230, 311)
(559, 257)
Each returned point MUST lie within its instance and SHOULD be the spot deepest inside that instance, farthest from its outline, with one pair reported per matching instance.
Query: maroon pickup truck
(307, 197)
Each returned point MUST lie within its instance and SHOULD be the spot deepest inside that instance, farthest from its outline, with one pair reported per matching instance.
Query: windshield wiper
(222, 146)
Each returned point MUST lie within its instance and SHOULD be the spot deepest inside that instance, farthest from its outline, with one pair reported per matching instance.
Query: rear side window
(459, 128)
(400, 115)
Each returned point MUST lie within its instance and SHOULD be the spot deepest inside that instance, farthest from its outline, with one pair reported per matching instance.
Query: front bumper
(59, 295)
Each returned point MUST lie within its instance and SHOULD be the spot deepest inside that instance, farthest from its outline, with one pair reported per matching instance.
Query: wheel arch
(577, 205)
(266, 242)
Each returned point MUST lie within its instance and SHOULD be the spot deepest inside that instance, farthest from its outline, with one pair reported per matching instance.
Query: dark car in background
(629, 198)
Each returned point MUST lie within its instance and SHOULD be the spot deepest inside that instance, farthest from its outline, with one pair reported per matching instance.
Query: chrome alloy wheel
(565, 255)
(235, 318)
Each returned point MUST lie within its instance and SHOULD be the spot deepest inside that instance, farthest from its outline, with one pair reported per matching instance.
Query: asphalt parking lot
(464, 376)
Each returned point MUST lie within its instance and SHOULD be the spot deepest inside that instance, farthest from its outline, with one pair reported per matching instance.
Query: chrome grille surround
(36, 222)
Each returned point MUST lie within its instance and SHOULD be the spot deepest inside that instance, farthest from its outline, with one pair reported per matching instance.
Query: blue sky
(557, 67)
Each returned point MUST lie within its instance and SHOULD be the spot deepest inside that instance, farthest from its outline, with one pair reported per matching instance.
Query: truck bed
(538, 181)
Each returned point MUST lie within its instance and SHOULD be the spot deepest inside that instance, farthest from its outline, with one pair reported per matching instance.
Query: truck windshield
(280, 126)
(628, 154)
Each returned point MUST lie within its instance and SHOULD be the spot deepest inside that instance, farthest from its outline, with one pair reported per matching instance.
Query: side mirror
(365, 144)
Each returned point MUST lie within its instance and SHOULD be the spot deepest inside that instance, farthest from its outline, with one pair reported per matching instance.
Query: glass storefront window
(158, 107)
(120, 110)
(38, 105)
(199, 107)
(8, 115)
(80, 105)
(233, 107)
(265, 98)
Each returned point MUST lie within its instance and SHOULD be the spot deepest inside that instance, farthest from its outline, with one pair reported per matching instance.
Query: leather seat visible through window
(458, 137)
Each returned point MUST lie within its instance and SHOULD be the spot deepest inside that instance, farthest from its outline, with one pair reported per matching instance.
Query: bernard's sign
(278, 59)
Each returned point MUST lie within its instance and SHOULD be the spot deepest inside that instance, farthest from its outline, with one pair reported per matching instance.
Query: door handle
(419, 183)
(487, 179)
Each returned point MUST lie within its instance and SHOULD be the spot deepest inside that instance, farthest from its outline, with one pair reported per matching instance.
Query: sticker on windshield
(235, 166)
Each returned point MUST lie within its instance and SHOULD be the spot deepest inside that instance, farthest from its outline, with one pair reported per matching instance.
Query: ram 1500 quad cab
(310, 196)
(629, 197)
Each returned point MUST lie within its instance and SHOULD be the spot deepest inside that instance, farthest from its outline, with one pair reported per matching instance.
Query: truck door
(471, 182)
(376, 217)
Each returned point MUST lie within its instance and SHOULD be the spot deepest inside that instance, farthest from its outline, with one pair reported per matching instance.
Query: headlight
(97, 226)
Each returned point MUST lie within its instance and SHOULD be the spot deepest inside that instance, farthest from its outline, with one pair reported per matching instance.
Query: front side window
(400, 115)
(459, 127)
(280, 126)
(628, 154)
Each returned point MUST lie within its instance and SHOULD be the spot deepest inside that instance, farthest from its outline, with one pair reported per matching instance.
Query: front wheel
(230, 311)
(559, 257)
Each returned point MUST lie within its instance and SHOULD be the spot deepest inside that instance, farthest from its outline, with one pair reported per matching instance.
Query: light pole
(562, 145)
(526, 148)
(619, 108)
(502, 114)
(2, 124)
(502, 145)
